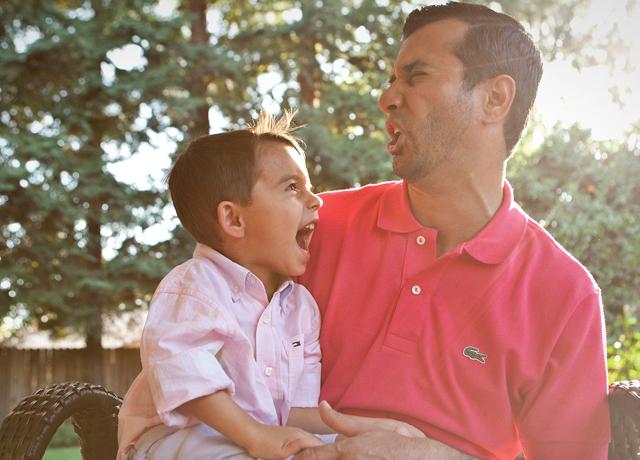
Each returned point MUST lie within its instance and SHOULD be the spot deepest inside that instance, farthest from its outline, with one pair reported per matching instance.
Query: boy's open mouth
(303, 237)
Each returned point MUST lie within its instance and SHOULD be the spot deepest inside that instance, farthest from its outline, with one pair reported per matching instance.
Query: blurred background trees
(86, 85)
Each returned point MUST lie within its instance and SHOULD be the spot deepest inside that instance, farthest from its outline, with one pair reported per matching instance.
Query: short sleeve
(308, 389)
(566, 414)
(180, 341)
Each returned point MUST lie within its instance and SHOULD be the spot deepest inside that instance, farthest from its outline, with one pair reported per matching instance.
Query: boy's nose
(315, 202)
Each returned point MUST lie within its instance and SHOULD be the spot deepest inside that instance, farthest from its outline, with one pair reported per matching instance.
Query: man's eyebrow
(408, 68)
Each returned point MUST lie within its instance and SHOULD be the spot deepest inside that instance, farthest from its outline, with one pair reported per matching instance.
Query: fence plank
(24, 371)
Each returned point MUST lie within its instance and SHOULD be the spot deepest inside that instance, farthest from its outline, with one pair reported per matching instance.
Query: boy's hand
(352, 425)
(278, 442)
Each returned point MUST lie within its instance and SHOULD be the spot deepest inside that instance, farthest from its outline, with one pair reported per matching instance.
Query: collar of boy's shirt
(239, 278)
(491, 245)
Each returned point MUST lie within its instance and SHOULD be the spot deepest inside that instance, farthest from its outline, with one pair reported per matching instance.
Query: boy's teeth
(303, 236)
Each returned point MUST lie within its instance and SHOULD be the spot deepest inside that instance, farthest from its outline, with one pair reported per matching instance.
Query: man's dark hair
(494, 44)
(222, 167)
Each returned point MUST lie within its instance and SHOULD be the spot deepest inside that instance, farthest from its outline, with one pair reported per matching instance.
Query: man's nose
(390, 99)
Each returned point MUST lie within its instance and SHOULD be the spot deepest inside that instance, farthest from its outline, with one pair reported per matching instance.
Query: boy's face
(281, 217)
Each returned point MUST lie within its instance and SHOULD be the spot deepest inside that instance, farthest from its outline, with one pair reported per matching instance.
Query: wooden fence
(24, 371)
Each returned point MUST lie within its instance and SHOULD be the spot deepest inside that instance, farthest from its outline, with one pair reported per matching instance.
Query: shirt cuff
(182, 378)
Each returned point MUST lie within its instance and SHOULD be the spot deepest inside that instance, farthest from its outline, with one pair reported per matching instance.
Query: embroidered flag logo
(474, 354)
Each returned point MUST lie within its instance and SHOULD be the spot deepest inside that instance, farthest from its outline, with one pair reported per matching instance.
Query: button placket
(266, 349)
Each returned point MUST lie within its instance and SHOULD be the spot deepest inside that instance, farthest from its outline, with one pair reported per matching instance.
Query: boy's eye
(293, 187)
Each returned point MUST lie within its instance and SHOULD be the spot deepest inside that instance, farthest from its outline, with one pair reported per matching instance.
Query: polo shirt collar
(502, 234)
(238, 277)
(395, 213)
(491, 246)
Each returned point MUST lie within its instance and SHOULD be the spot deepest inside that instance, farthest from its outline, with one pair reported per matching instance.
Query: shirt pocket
(294, 352)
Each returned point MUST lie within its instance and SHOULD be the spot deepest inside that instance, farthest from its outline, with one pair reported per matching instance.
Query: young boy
(230, 351)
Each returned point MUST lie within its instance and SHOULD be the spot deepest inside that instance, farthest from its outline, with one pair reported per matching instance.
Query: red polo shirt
(495, 347)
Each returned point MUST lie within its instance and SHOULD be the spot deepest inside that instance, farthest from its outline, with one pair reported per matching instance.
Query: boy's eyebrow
(289, 177)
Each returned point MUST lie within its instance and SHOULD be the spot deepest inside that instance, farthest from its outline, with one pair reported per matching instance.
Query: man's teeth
(395, 137)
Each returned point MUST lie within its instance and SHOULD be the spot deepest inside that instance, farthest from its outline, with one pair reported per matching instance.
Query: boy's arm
(308, 418)
(221, 413)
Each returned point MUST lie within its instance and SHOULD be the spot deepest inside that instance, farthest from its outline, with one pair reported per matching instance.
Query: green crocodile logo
(474, 354)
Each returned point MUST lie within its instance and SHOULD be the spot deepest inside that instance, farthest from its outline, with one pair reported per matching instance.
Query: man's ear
(230, 219)
(497, 96)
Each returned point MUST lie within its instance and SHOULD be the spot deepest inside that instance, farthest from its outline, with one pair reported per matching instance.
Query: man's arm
(358, 443)
(565, 415)
(383, 444)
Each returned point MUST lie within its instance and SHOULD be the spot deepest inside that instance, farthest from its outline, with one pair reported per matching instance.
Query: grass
(62, 453)
(65, 444)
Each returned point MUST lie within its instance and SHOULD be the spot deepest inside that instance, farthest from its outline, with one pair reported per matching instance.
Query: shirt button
(421, 240)
(268, 371)
(416, 289)
(266, 320)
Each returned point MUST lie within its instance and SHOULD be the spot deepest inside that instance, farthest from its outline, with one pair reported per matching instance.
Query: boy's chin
(298, 270)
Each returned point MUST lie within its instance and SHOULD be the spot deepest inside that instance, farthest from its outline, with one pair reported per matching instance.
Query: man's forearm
(430, 449)
(386, 445)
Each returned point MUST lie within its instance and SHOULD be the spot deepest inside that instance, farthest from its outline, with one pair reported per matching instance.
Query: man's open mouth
(303, 237)
(395, 134)
(394, 138)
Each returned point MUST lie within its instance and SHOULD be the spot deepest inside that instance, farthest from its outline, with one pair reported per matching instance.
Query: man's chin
(400, 167)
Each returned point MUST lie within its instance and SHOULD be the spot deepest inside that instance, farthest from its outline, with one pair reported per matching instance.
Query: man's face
(428, 111)
(281, 216)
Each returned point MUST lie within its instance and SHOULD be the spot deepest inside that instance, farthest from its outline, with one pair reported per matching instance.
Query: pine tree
(68, 111)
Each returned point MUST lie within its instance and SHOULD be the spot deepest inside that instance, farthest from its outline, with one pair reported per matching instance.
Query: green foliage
(587, 195)
(623, 345)
(67, 112)
(65, 436)
(62, 453)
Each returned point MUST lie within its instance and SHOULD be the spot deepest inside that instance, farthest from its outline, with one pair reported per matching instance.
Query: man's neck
(457, 207)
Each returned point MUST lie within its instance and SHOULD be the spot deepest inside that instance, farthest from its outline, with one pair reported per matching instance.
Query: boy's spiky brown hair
(222, 167)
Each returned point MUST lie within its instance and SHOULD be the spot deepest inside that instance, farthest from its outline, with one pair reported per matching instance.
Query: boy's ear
(498, 95)
(230, 219)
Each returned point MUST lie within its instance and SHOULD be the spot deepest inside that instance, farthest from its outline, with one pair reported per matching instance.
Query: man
(444, 305)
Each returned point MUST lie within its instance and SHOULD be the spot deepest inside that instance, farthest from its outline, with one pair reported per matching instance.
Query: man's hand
(278, 442)
(352, 425)
(361, 441)
(382, 445)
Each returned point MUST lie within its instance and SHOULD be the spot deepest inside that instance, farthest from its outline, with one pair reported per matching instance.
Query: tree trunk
(309, 72)
(93, 368)
(199, 122)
